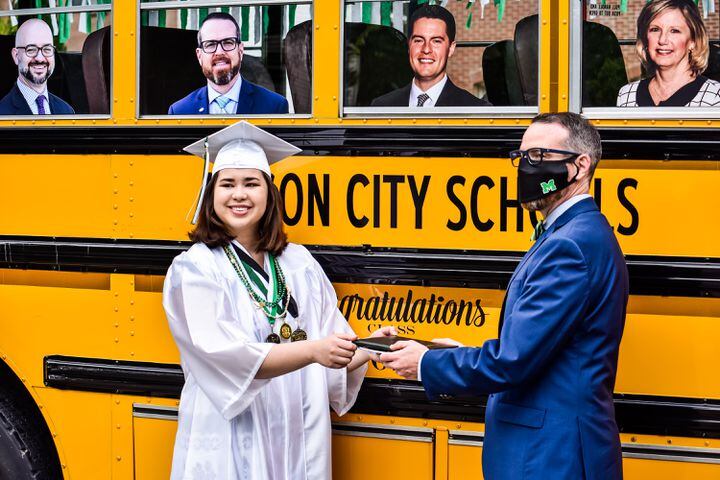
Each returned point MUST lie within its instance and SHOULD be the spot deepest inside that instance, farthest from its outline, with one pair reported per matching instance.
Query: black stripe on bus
(639, 414)
(649, 275)
(492, 142)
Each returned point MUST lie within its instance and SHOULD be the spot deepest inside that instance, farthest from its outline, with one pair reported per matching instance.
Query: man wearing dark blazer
(551, 373)
(219, 54)
(431, 43)
(34, 54)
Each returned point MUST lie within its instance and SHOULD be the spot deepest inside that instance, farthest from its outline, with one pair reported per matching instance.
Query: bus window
(650, 53)
(55, 60)
(418, 54)
(223, 60)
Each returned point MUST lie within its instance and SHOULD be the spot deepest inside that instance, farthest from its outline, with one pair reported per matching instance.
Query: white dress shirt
(552, 216)
(31, 95)
(434, 93)
(233, 94)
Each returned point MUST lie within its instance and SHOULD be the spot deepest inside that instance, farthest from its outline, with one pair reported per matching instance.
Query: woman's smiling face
(241, 200)
(669, 40)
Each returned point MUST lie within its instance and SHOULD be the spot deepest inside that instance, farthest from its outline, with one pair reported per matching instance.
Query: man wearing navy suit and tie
(551, 373)
(220, 53)
(34, 54)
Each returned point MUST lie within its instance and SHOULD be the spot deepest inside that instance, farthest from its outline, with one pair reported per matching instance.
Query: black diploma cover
(382, 344)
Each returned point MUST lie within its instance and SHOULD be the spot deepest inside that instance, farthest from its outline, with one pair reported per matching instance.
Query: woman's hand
(384, 332)
(334, 351)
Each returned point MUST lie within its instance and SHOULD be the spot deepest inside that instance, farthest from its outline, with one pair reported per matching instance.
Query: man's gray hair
(583, 137)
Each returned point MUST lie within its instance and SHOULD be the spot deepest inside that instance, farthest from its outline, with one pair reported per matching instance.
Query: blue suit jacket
(551, 373)
(253, 99)
(14, 104)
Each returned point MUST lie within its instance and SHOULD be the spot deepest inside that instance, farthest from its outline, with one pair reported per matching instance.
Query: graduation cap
(241, 145)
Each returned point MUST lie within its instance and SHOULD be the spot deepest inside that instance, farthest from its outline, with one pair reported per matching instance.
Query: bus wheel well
(27, 450)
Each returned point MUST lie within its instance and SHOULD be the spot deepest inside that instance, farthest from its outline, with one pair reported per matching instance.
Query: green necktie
(539, 230)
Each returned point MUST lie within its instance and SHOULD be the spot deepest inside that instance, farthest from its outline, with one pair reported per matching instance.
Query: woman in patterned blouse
(672, 44)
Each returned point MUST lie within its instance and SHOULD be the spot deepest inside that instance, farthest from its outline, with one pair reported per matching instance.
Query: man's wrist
(419, 366)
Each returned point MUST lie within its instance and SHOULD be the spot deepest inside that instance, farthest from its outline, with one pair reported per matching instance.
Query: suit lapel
(583, 206)
(19, 102)
(246, 98)
(445, 95)
(202, 101)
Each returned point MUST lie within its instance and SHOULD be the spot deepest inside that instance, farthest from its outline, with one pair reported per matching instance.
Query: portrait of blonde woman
(672, 43)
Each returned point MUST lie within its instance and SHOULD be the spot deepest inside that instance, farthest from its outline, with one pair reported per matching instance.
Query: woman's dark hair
(211, 231)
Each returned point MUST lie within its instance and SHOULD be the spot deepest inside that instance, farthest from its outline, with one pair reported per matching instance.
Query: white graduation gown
(232, 425)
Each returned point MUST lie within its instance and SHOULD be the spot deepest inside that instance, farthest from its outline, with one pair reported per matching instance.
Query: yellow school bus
(412, 212)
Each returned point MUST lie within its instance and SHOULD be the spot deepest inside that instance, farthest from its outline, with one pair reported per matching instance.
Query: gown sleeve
(213, 345)
(343, 386)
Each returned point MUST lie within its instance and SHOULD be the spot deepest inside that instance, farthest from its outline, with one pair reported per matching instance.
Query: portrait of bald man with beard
(34, 54)
(220, 54)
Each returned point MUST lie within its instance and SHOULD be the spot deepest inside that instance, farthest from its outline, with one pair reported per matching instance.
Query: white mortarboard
(241, 145)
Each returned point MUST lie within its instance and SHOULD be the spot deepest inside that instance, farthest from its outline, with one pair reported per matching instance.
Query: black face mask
(538, 181)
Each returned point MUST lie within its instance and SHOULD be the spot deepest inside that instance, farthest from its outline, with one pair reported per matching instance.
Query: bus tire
(26, 452)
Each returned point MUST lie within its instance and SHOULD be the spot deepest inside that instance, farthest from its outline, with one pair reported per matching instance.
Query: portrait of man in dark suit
(219, 53)
(551, 372)
(34, 55)
(431, 43)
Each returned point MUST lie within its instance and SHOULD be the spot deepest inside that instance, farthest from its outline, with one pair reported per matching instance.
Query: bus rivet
(117, 402)
(633, 439)
(117, 340)
(116, 325)
(317, 27)
(117, 426)
(118, 458)
(334, 98)
(116, 309)
(458, 426)
(364, 120)
(132, 333)
(317, 98)
(335, 27)
(669, 441)
(425, 423)
(115, 207)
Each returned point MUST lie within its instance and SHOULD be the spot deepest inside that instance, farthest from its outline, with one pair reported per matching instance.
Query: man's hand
(447, 341)
(404, 358)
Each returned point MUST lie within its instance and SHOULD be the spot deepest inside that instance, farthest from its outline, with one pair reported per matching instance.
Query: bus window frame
(186, 4)
(623, 113)
(405, 113)
(27, 12)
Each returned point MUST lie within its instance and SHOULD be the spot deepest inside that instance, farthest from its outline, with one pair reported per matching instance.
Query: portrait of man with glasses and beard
(219, 53)
(34, 54)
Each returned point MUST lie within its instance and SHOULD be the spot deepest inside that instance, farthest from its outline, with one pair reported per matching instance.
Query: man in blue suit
(551, 373)
(34, 54)
(220, 53)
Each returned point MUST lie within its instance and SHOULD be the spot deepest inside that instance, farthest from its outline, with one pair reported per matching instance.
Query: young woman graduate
(264, 349)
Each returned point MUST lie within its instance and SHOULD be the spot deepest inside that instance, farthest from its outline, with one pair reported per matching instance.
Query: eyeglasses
(228, 44)
(535, 156)
(33, 50)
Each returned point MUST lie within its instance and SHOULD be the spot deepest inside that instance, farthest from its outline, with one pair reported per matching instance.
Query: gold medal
(272, 338)
(285, 331)
(298, 335)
